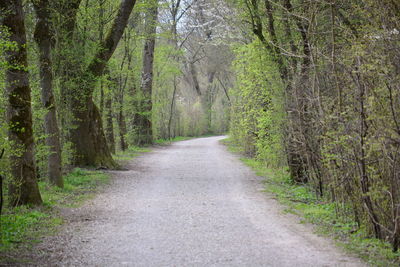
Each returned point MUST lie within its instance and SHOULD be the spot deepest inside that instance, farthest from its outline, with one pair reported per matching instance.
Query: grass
(130, 153)
(179, 138)
(163, 142)
(301, 200)
(22, 227)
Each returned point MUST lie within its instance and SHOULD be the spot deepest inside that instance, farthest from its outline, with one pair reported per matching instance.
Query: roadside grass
(163, 142)
(22, 227)
(301, 200)
(130, 153)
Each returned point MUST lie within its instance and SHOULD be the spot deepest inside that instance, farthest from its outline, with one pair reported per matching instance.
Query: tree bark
(109, 125)
(171, 108)
(66, 59)
(23, 188)
(362, 160)
(175, 6)
(122, 129)
(144, 126)
(43, 39)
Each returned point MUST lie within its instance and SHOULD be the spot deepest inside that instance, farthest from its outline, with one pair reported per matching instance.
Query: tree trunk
(122, 129)
(88, 137)
(23, 188)
(63, 53)
(109, 125)
(43, 40)
(362, 160)
(144, 126)
(171, 110)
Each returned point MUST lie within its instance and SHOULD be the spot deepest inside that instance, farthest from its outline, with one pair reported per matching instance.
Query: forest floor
(192, 203)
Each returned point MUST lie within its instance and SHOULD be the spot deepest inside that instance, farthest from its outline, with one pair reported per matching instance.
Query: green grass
(22, 227)
(169, 141)
(130, 153)
(300, 200)
(179, 138)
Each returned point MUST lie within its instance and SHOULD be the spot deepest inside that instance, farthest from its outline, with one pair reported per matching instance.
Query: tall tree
(88, 136)
(144, 125)
(23, 188)
(43, 38)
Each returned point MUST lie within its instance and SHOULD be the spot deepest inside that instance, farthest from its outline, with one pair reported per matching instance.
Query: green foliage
(257, 112)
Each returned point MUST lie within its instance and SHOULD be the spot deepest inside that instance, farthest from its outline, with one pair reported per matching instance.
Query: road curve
(189, 204)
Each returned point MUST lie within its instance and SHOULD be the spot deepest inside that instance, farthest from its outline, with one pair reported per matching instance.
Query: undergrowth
(301, 200)
(22, 227)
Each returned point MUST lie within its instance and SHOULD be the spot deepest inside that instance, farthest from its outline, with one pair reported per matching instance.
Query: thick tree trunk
(88, 137)
(43, 40)
(144, 126)
(67, 62)
(23, 188)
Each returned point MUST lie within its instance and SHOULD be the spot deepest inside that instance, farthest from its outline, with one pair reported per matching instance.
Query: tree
(23, 188)
(88, 137)
(143, 123)
(44, 39)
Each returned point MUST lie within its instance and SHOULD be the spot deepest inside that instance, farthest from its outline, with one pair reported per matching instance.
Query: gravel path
(188, 204)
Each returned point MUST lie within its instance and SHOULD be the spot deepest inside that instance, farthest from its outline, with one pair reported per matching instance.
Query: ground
(189, 204)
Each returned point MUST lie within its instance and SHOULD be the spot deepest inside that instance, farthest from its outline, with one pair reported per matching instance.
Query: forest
(310, 88)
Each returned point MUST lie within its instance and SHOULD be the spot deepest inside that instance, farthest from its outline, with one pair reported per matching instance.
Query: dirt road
(188, 204)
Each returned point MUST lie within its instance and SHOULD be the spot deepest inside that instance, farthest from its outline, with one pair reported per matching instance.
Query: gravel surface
(188, 204)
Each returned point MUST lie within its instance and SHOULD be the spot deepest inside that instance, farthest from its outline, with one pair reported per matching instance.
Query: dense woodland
(309, 86)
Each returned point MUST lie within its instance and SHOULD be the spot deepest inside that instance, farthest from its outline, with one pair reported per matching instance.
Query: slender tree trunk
(145, 132)
(122, 129)
(23, 188)
(175, 6)
(1, 185)
(109, 125)
(43, 40)
(171, 111)
(362, 161)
